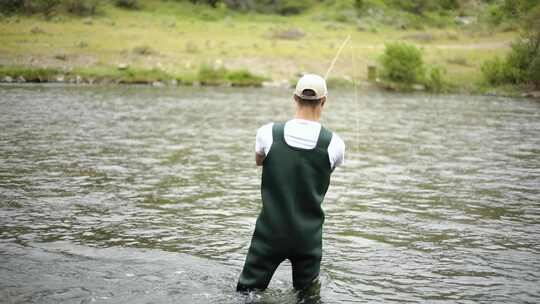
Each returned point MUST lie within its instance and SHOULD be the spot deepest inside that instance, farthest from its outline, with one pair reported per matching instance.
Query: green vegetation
(231, 42)
(129, 4)
(505, 11)
(521, 66)
(207, 75)
(49, 7)
(81, 7)
(435, 81)
(403, 64)
(30, 74)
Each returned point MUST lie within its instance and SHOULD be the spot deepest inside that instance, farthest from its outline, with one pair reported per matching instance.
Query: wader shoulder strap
(325, 136)
(277, 132)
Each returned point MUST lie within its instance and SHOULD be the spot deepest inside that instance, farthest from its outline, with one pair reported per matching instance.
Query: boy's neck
(308, 113)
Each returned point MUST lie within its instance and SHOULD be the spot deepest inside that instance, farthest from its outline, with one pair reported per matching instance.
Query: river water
(150, 195)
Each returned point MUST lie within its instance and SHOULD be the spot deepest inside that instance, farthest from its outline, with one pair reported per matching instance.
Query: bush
(435, 81)
(129, 4)
(144, 50)
(509, 10)
(212, 3)
(414, 6)
(522, 64)
(209, 75)
(494, 71)
(402, 63)
(30, 74)
(283, 7)
(292, 7)
(495, 14)
(47, 7)
(82, 7)
(9, 7)
(534, 72)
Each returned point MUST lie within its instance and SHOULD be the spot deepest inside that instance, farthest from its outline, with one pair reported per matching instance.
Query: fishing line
(336, 57)
(357, 106)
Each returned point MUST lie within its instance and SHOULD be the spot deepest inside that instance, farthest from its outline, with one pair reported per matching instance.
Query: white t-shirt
(301, 133)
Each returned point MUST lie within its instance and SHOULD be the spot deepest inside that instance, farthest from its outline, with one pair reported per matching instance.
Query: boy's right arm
(263, 142)
(259, 159)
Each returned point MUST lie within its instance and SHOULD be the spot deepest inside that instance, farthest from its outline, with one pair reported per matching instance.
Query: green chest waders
(294, 183)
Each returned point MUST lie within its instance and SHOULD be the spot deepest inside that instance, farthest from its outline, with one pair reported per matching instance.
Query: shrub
(47, 7)
(82, 7)
(402, 63)
(144, 50)
(435, 81)
(244, 78)
(212, 3)
(518, 61)
(291, 7)
(210, 75)
(522, 64)
(534, 71)
(495, 14)
(494, 71)
(283, 7)
(30, 74)
(129, 4)
(9, 7)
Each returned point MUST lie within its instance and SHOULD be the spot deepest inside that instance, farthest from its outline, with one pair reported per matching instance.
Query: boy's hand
(259, 159)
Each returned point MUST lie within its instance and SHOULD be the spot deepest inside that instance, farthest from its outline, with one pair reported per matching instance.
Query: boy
(298, 158)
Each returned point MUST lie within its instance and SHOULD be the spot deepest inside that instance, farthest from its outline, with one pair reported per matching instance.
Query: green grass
(209, 75)
(30, 74)
(128, 76)
(206, 75)
(172, 40)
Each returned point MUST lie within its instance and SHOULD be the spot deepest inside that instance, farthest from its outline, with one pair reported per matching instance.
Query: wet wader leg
(305, 269)
(261, 263)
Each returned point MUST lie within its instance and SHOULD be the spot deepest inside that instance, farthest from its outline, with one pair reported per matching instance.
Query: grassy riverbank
(166, 41)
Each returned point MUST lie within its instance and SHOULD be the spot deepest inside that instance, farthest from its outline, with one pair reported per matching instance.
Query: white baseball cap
(311, 82)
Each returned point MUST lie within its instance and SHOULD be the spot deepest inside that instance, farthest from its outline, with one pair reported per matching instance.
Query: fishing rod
(355, 84)
(337, 56)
